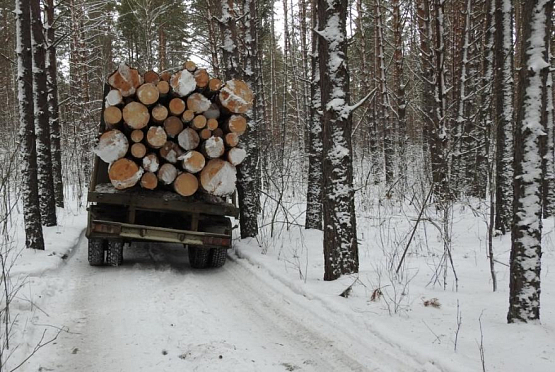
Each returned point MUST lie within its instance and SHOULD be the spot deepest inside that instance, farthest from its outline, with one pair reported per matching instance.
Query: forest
(380, 123)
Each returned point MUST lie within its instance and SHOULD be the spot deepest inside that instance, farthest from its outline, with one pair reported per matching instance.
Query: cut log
(125, 79)
(198, 122)
(165, 76)
(183, 83)
(193, 161)
(112, 115)
(205, 134)
(156, 137)
(163, 88)
(236, 124)
(151, 163)
(148, 94)
(185, 184)
(137, 135)
(236, 155)
(112, 145)
(213, 112)
(124, 173)
(167, 173)
(136, 115)
(114, 98)
(202, 78)
(231, 140)
(236, 97)
(188, 115)
(198, 103)
(177, 106)
(218, 177)
(213, 147)
(138, 150)
(218, 132)
(159, 114)
(171, 152)
(173, 126)
(190, 66)
(151, 77)
(149, 181)
(214, 85)
(188, 139)
(212, 124)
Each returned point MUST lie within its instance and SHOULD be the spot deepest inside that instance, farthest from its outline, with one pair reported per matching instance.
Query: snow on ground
(268, 308)
(414, 311)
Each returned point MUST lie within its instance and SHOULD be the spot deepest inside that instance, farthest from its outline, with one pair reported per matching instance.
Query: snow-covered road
(155, 313)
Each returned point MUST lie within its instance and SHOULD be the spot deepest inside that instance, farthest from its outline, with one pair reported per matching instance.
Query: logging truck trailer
(119, 217)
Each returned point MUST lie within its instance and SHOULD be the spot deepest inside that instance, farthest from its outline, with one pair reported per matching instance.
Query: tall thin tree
(526, 251)
(28, 158)
(340, 240)
(53, 110)
(42, 125)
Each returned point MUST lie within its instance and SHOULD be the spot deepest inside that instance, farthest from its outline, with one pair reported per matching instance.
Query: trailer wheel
(114, 254)
(198, 257)
(96, 252)
(218, 257)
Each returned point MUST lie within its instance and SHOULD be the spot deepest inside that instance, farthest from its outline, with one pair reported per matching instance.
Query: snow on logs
(179, 131)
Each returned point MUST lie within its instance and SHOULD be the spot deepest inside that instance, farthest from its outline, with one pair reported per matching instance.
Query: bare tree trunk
(525, 261)
(340, 240)
(248, 172)
(42, 125)
(315, 180)
(53, 111)
(503, 113)
(28, 157)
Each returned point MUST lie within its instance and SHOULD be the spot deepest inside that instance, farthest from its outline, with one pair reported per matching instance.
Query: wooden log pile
(174, 130)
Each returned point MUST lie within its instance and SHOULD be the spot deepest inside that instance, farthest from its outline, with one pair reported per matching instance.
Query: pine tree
(315, 180)
(503, 113)
(340, 240)
(28, 166)
(53, 111)
(526, 251)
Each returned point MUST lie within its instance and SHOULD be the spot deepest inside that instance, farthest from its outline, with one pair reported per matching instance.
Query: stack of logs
(177, 131)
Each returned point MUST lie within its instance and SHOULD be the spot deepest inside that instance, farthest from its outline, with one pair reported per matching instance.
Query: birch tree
(526, 251)
(28, 157)
(340, 240)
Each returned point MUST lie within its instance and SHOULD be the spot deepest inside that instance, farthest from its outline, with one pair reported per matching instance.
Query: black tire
(218, 256)
(198, 257)
(96, 252)
(114, 254)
